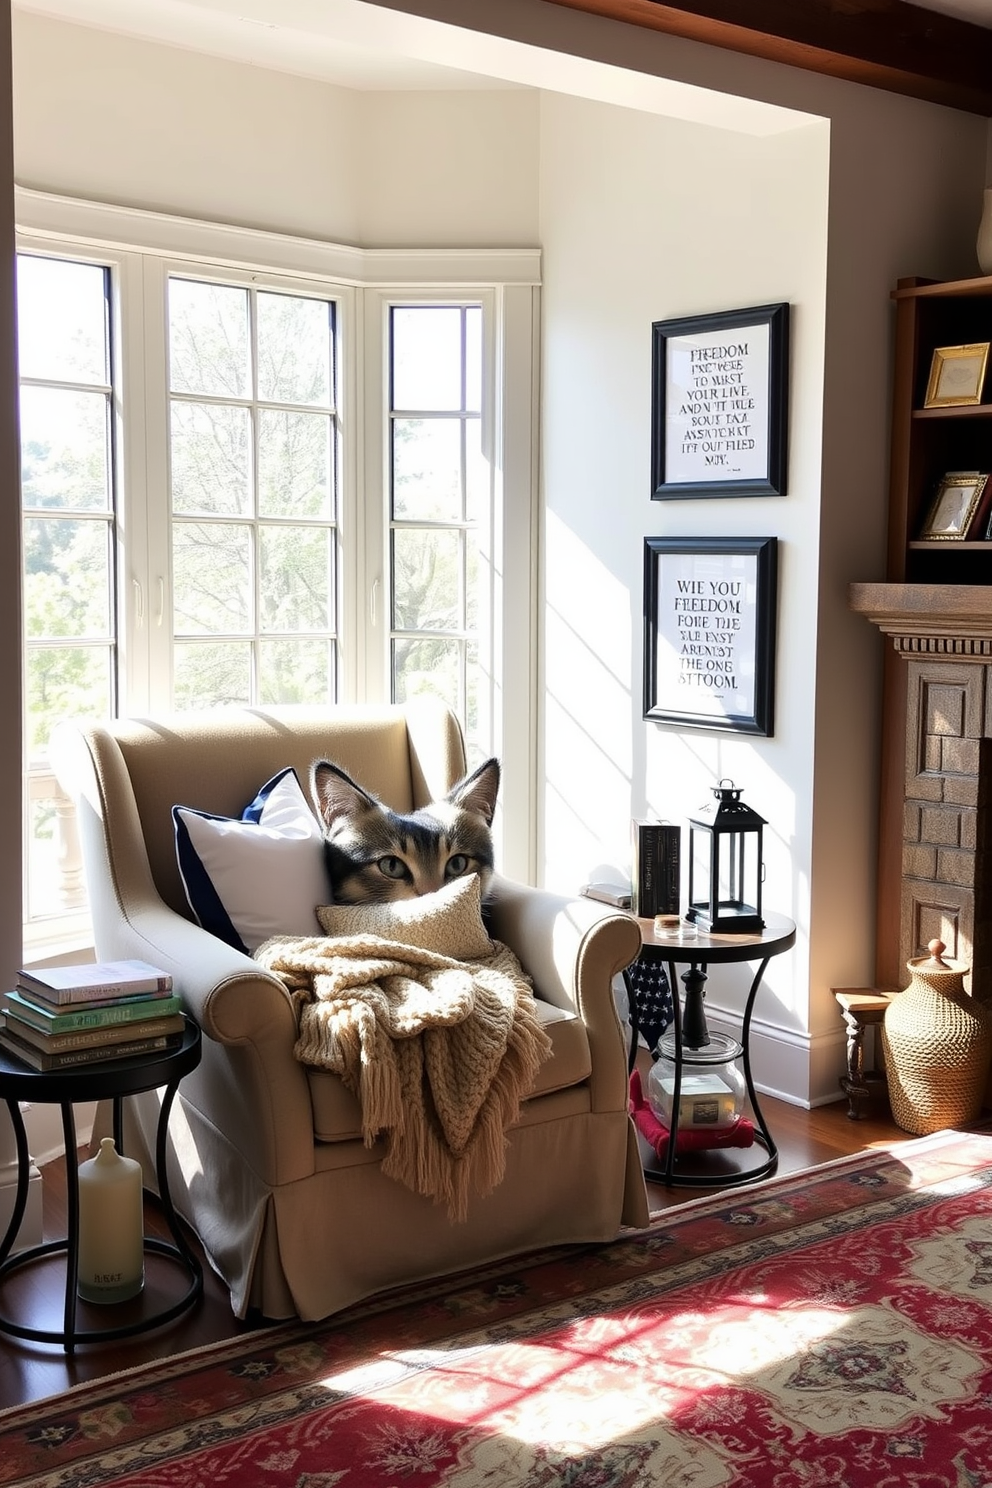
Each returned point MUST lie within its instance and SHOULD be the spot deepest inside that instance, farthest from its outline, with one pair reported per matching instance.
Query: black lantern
(726, 865)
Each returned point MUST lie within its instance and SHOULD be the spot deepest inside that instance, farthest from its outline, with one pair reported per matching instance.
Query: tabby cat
(375, 854)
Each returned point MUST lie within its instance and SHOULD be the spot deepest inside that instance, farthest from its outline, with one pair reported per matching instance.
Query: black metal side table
(112, 1080)
(696, 952)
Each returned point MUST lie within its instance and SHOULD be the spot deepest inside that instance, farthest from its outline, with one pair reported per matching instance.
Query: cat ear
(336, 794)
(477, 792)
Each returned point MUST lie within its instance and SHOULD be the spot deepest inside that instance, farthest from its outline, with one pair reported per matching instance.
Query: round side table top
(778, 935)
(102, 1079)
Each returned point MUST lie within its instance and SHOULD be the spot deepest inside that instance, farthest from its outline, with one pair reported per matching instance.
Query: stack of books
(59, 1017)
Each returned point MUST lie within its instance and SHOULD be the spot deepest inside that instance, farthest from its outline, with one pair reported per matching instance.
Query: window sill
(58, 942)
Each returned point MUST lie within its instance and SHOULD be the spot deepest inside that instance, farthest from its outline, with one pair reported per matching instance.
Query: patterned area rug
(830, 1328)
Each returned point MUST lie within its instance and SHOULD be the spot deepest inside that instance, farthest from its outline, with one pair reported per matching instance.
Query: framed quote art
(719, 404)
(709, 632)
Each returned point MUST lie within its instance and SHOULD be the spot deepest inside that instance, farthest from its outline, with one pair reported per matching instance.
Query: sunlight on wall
(588, 631)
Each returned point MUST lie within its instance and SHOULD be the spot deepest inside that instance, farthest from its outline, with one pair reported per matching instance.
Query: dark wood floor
(30, 1371)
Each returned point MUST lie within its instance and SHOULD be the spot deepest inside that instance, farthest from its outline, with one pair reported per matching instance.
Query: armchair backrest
(126, 776)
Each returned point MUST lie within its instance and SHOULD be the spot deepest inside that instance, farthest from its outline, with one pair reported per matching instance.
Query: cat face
(374, 854)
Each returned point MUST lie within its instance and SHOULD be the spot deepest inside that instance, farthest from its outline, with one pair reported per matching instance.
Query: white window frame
(142, 248)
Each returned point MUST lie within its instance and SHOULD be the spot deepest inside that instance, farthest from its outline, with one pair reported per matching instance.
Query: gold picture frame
(953, 507)
(957, 375)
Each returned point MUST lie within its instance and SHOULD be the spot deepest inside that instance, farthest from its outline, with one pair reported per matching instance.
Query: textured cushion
(448, 922)
(259, 876)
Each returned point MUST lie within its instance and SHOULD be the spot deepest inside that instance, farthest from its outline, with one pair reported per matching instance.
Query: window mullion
(157, 553)
(375, 600)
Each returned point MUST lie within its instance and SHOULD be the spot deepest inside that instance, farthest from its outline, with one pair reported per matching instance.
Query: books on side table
(63, 1016)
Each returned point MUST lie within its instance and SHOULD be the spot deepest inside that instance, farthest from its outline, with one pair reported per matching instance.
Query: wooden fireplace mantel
(953, 620)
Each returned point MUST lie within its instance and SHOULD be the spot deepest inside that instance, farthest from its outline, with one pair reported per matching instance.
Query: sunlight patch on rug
(831, 1330)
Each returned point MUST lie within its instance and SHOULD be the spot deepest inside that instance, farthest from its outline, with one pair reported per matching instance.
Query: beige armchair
(266, 1159)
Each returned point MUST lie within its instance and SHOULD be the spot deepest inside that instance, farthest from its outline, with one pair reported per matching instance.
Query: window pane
(208, 339)
(426, 580)
(294, 464)
(44, 867)
(62, 330)
(65, 451)
(423, 664)
(473, 358)
(211, 464)
(427, 470)
(477, 473)
(427, 357)
(67, 585)
(471, 581)
(294, 350)
(211, 674)
(211, 565)
(65, 682)
(474, 683)
(296, 671)
(294, 578)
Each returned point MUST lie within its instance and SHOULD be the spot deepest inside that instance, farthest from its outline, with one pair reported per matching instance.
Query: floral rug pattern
(832, 1329)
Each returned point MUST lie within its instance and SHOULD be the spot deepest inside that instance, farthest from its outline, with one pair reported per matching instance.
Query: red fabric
(741, 1134)
(827, 1328)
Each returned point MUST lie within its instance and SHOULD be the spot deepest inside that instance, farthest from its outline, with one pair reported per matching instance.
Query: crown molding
(100, 224)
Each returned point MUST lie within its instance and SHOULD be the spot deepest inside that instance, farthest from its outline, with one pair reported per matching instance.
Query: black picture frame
(719, 404)
(710, 608)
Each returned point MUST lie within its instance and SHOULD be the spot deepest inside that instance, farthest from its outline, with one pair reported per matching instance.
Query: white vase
(984, 245)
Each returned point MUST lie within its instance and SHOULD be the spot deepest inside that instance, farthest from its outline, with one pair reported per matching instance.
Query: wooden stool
(861, 1007)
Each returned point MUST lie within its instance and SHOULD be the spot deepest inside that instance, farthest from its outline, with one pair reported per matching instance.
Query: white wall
(111, 118)
(641, 214)
(665, 219)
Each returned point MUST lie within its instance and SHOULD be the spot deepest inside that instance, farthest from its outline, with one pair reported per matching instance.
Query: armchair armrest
(573, 948)
(249, 1084)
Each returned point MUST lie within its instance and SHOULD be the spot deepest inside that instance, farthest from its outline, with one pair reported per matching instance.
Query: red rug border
(269, 1335)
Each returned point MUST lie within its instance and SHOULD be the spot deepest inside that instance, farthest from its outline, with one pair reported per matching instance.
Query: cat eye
(455, 865)
(392, 867)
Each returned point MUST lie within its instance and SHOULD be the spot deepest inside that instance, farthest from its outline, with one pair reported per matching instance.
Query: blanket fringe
(440, 1053)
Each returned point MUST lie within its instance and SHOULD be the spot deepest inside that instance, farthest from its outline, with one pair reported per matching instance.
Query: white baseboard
(793, 1067)
(43, 1125)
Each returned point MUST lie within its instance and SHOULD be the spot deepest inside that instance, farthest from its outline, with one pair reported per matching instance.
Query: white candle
(111, 1227)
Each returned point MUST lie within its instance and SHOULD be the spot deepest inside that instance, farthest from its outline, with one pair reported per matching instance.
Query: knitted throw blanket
(439, 1052)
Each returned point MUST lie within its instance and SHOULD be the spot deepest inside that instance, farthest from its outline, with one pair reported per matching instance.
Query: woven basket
(938, 1046)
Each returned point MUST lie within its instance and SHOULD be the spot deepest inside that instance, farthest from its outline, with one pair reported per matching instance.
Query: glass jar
(713, 1089)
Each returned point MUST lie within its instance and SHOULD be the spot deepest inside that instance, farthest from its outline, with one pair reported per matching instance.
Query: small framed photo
(709, 632)
(957, 375)
(719, 404)
(954, 506)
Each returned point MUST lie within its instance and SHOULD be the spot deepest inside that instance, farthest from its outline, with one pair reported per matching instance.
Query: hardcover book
(98, 981)
(89, 1038)
(88, 1015)
(655, 868)
(40, 1060)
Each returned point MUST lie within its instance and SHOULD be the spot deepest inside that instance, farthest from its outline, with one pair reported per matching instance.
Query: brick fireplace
(935, 821)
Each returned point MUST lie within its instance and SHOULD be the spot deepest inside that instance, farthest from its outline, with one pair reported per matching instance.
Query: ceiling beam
(883, 43)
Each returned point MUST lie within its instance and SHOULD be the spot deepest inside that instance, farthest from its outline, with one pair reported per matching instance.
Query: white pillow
(261, 876)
